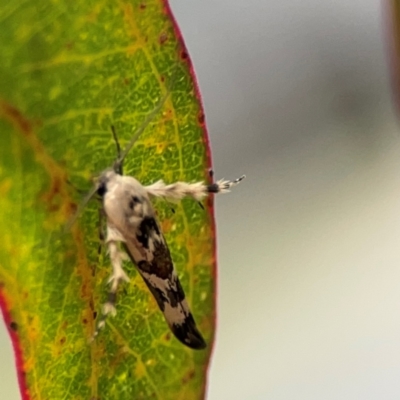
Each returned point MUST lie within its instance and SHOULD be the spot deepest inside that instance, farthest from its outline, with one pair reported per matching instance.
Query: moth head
(102, 181)
(99, 187)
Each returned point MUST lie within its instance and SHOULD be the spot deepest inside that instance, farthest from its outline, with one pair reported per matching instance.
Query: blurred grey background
(297, 97)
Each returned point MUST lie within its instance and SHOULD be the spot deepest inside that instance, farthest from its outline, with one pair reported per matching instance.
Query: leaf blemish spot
(184, 55)
(189, 376)
(201, 118)
(14, 326)
(163, 38)
(23, 124)
(72, 207)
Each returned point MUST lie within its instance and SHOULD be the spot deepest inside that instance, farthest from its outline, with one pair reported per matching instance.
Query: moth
(133, 232)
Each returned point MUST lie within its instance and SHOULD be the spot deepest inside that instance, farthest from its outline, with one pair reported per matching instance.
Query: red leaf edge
(19, 362)
(210, 201)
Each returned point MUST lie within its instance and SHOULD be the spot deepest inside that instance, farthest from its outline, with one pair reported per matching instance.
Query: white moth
(132, 225)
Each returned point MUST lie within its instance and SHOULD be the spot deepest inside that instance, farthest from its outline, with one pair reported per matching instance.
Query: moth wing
(158, 272)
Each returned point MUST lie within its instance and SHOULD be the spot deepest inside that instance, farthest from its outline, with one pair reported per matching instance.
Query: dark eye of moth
(133, 201)
(101, 190)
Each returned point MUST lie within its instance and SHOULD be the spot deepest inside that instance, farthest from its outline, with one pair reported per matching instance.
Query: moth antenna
(146, 122)
(116, 141)
(81, 206)
(119, 162)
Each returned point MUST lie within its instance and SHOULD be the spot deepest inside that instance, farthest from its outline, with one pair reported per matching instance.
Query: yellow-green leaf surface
(68, 71)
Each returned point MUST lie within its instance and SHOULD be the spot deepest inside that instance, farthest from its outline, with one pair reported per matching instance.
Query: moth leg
(118, 275)
(223, 186)
(197, 190)
(116, 257)
(101, 232)
(170, 204)
(211, 175)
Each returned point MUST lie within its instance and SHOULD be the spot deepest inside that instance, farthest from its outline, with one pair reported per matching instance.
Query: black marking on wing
(167, 295)
(161, 265)
(134, 200)
(146, 228)
(188, 334)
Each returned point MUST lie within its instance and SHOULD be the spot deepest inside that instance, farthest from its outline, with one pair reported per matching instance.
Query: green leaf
(69, 71)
